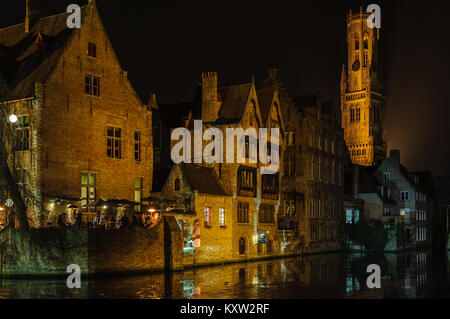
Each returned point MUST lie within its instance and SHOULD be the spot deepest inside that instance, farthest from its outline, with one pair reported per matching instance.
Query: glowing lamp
(13, 118)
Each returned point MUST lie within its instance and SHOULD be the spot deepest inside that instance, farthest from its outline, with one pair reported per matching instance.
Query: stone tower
(362, 99)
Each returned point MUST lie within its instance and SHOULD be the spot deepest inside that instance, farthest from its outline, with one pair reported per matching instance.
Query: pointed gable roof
(202, 179)
(265, 99)
(30, 57)
(234, 102)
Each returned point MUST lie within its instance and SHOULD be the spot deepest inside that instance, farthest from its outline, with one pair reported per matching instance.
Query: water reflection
(409, 275)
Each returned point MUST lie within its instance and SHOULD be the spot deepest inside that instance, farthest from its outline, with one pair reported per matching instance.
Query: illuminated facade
(362, 99)
(83, 133)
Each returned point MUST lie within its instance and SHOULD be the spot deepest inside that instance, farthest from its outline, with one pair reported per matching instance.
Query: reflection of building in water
(411, 272)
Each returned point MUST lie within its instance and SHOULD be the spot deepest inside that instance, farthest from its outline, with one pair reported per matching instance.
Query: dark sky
(165, 45)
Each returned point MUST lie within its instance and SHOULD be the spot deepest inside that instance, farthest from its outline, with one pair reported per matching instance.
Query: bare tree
(9, 165)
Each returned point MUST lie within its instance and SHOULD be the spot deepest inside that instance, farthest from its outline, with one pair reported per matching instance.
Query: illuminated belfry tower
(362, 99)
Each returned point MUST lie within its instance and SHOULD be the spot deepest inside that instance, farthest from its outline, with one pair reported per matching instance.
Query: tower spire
(32, 14)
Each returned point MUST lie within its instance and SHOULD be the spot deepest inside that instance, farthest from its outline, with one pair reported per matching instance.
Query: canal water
(327, 276)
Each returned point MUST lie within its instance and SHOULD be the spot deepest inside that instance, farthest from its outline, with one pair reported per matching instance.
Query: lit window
(222, 217)
(138, 193)
(88, 188)
(207, 216)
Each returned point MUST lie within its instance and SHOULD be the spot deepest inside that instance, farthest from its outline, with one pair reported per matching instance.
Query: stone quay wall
(48, 252)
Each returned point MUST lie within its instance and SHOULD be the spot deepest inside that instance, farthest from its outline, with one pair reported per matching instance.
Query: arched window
(177, 185)
(241, 246)
(356, 42)
(366, 44)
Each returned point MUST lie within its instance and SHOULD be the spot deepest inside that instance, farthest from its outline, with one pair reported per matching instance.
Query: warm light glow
(152, 210)
(2, 209)
(105, 207)
(255, 238)
(13, 118)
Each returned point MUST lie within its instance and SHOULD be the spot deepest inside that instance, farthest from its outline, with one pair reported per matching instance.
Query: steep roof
(368, 183)
(234, 101)
(410, 178)
(202, 179)
(27, 58)
(265, 99)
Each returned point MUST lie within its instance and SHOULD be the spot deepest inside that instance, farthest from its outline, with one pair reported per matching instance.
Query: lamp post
(13, 118)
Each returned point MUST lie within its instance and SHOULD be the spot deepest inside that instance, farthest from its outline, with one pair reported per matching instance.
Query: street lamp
(13, 118)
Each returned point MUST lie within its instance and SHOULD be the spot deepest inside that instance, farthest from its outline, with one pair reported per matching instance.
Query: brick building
(255, 198)
(312, 178)
(83, 133)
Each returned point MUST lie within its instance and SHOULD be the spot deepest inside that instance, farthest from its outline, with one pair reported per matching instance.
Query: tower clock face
(356, 65)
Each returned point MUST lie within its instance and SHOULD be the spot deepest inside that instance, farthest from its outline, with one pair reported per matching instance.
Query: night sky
(166, 45)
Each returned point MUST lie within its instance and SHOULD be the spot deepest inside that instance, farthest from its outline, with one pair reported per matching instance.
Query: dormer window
(92, 50)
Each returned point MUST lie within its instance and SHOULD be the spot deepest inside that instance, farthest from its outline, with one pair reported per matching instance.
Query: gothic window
(366, 44)
(241, 246)
(177, 185)
(356, 42)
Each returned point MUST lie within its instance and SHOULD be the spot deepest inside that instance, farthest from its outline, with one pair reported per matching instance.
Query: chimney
(32, 14)
(153, 101)
(273, 74)
(210, 103)
(395, 155)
